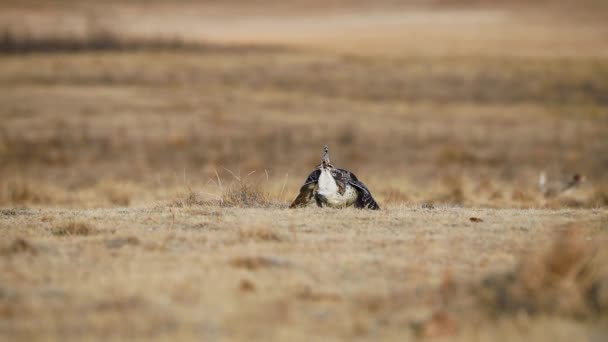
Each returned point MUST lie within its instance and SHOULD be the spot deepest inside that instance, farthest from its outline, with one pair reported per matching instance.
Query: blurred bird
(558, 188)
(334, 187)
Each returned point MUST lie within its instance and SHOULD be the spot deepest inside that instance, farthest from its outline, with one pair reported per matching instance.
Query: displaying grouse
(334, 187)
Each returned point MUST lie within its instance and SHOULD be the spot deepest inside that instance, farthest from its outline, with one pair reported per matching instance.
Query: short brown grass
(261, 234)
(402, 273)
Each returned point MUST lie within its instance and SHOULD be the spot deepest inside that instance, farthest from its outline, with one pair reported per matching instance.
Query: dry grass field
(210, 273)
(149, 151)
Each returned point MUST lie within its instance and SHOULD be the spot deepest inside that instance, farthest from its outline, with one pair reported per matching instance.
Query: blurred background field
(451, 102)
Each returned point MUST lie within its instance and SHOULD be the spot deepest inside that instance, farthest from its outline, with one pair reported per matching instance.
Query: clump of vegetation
(245, 194)
(190, 198)
(568, 279)
(73, 228)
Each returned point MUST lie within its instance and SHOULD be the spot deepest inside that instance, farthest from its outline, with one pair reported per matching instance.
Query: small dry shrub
(260, 234)
(73, 228)
(570, 279)
(245, 194)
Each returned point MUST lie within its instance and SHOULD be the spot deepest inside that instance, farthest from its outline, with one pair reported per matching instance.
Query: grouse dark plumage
(334, 187)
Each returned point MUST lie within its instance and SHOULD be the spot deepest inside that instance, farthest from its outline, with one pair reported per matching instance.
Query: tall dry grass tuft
(245, 194)
(570, 278)
(191, 198)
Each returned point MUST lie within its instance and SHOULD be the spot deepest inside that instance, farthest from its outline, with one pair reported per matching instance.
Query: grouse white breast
(329, 194)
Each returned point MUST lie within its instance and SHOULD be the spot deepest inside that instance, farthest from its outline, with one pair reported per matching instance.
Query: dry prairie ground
(148, 151)
(205, 272)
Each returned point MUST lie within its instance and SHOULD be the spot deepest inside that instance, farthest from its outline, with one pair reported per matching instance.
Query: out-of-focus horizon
(554, 28)
(462, 102)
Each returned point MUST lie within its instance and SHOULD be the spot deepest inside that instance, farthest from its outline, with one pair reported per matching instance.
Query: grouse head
(325, 163)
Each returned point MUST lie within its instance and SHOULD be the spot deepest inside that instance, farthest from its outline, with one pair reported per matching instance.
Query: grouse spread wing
(313, 177)
(307, 190)
(365, 200)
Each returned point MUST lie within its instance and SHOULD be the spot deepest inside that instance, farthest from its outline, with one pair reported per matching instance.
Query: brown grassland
(149, 151)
